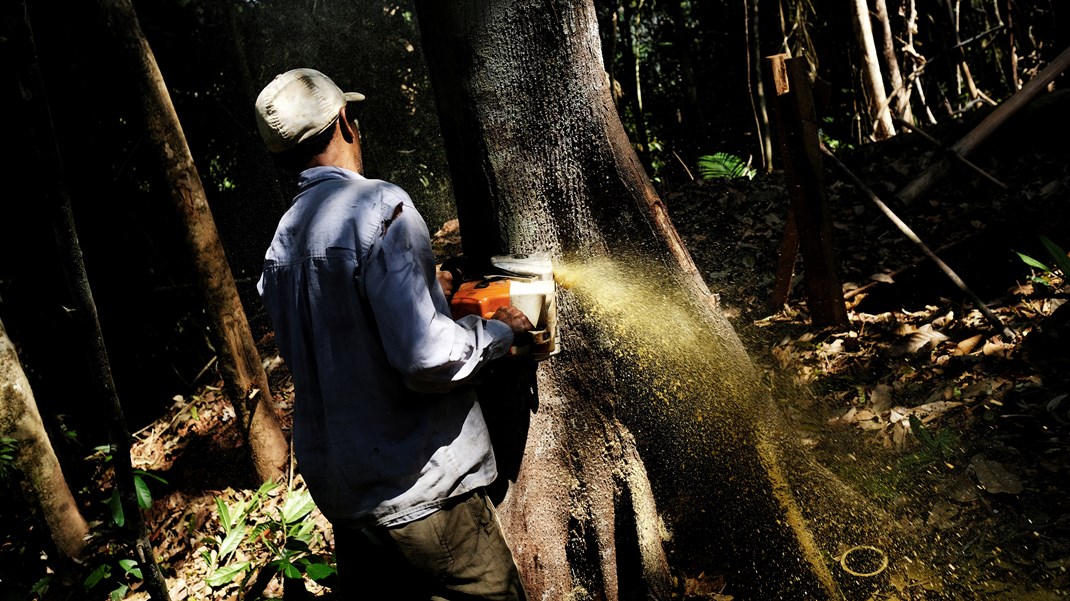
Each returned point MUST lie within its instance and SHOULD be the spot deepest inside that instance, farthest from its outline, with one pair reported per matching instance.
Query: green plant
(1060, 260)
(280, 529)
(105, 572)
(724, 165)
(8, 448)
(121, 572)
(936, 445)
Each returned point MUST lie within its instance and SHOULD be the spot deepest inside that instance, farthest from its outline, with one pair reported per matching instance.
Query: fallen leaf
(965, 347)
(994, 477)
(925, 335)
(880, 399)
(995, 346)
(941, 515)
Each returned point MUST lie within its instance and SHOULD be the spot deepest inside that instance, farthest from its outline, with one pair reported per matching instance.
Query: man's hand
(515, 319)
(445, 280)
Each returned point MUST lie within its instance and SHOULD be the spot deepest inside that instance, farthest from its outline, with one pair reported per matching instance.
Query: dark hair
(295, 159)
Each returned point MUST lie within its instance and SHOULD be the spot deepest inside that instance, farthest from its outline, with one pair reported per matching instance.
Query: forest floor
(957, 430)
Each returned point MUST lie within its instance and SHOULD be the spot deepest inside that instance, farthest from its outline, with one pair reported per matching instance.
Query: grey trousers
(457, 553)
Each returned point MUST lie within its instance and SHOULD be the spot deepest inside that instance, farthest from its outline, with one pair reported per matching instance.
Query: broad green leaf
(319, 571)
(120, 593)
(289, 570)
(297, 507)
(98, 574)
(130, 567)
(144, 496)
(267, 487)
(1030, 261)
(227, 574)
(231, 542)
(224, 514)
(116, 507)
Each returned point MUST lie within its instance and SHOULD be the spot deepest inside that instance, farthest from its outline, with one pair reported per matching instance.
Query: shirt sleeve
(433, 352)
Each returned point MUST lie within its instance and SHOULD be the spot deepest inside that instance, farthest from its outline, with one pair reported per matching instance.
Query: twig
(903, 227)
(684, 165)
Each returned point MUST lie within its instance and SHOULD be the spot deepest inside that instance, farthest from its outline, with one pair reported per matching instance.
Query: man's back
(369, 445)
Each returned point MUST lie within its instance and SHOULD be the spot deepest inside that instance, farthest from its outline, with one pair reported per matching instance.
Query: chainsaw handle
(456, 267)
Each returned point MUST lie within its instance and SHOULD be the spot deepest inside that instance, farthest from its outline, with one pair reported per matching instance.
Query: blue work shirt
(386, 424)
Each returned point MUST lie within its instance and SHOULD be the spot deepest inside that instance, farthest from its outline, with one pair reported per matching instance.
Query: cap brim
(354, 96)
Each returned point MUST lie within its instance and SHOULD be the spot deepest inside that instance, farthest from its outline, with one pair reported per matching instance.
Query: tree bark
(900, 90)
(872, 80)
(35, 458)
(653, 401)
(245, 381)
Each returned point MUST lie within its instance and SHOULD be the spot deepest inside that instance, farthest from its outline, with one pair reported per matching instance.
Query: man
(387, 430)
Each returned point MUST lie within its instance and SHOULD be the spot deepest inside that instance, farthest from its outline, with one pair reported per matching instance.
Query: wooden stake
(809, 214)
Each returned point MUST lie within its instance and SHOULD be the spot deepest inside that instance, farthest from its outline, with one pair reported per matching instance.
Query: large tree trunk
(35, 459)
(653, 396)
(244, 379)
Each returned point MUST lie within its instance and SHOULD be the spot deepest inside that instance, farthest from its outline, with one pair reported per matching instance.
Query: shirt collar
(314, 175)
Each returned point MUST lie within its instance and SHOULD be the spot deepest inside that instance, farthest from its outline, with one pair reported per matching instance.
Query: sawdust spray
(698, 375)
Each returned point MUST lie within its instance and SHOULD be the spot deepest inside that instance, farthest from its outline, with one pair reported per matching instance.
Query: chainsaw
(525, 281)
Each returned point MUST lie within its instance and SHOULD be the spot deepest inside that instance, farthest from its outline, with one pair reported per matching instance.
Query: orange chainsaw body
(482, 298)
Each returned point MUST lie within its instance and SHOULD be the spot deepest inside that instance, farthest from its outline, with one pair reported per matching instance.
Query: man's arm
(432, 351)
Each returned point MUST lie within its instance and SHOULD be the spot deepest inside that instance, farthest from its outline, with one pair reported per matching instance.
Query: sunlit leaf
(724, 165)
(319, 571)
(227, 574)
(141, 490)
(130, 566)
(231, 542)
(1030, 261)
(297, 507)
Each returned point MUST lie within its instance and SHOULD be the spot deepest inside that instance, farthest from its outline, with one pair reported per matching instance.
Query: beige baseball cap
(297, 105)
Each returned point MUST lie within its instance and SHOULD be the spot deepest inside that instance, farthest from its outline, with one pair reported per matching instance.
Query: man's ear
(349, 131)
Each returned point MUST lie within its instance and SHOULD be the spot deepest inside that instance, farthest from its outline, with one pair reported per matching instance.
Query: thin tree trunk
(653, 402)
(632, 88)
(35, 458)
(759, 104)
(244, 379)
(900, 90)
(873, 82)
